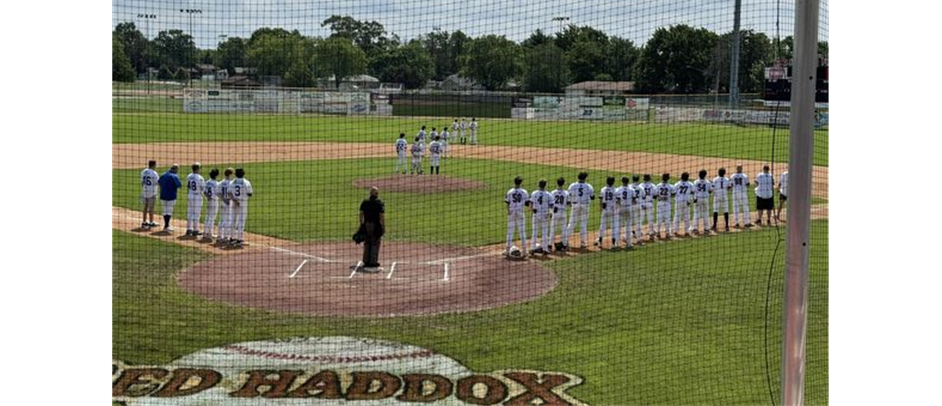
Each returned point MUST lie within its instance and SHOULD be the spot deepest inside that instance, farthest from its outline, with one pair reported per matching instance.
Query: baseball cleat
(145, 225)
(750, 225)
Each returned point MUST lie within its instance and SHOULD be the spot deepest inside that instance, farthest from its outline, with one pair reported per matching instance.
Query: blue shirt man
(169, 183)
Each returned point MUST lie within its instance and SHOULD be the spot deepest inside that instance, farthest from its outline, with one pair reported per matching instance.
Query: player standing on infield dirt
(702, 188)
(607, 202)
(721, 187)
(169, 183)
(240, 190)
(782, 195)
(647, 205)
(740, 182)
(474, 131)
(663, 193)
(541, 202)
(636, 206)
(401, 146)
(418, 148)
(765, 184)
(625, 197)
(581, 195)
(517, 199)
(435, 155)
(463, 134)
(212, 204)
(225, 214)
(149, 180)
(560, 203)
(683, 199)
(194, 200)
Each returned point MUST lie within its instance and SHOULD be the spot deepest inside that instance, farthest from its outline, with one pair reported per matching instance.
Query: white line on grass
(391, 270)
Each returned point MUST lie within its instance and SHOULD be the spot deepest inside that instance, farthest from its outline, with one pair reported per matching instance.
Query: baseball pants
(541, 236)
(720, 202)
(663, 217)
(608, 217)
(435, 160)
(647, 214)
(225, 220)
(682, 212)
(741, 205)
(623, 219)
(212, 207)
(517, 221)
(580, 216)
(558, 219)
(700, 214)
(167, 206)
(636, 219)
(474, 137)
(239, 211)
(194, 204)
(416, 165)
(401, 161)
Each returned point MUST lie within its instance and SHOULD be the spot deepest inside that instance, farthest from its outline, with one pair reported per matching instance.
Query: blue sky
(632, 19)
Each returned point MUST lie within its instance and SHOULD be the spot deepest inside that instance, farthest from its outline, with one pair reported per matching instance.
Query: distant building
(600, 88)
(357, 82)
(240, 82)
(457, 83)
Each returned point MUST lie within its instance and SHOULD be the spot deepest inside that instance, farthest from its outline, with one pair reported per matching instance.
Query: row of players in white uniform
(437, 148)
(228, 198)
(626, 207)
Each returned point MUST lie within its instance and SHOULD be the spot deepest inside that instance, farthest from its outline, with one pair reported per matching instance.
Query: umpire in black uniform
(373, 226)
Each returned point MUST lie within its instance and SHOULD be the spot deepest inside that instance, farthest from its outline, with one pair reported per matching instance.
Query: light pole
(189, 13)
(559, 33)
(147, 18)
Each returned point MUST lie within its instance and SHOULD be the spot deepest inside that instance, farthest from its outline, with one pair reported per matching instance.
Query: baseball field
(695, 320)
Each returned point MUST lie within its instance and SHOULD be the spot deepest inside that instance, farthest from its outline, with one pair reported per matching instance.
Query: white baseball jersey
(626, 196)
(435, 148)
(212, 189)
(663, 192)
(418, 149)
(541, 201)
(240, 189)
(224, 190)
(195, 184)
(608, 198)
(721, 184)
(401, 146)
(445, 134)
(702, 189)
(463, 125)
(432, 135)
(473, 125)
(684, 191)
(560, 198)
(421, 135)
(647, 192)
(581, 193)
(149, 180)
(764, 187)
(740, 181)
(516, 199)
(783, 183)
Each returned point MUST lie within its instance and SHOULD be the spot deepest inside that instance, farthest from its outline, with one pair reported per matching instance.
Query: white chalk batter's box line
(444, 262)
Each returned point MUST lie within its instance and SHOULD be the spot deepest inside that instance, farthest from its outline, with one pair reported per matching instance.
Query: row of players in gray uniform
(627, 207)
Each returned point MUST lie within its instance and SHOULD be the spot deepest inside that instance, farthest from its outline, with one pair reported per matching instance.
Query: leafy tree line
(677, 59)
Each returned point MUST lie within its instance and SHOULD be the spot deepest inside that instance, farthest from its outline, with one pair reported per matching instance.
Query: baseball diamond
(348, 207)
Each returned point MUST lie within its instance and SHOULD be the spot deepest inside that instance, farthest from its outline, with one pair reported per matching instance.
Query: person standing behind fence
(541, 202)
(435, 155)
(782, 195)
(474, 131)
(581, 195)
(609, 213)
(418, 148)
(444, 141)
(721, 186)
(194, 200)
(740, 183)
(401, 146)
(647, 205)
(211, 191)
(560, 203)
(463, 134)
(663, 193)
(516, 199)
(240, 190)
(764, 194)
(702, 188)
(682, 201)
(149, 180)
(225, 213)
(373, 223)
(169, 184)
(625, 196)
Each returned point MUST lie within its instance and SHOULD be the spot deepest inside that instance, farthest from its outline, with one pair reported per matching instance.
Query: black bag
(360, 235)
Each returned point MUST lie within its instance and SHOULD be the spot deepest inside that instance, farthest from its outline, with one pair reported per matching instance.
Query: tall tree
(492, 60)
(134, 44)
(370, 36)
(230, 54)
(437, 45)
(121, 70)
(273, 51)
(623, 58)
(410, 65)
(545, 70)
(754, 55)
(679, 60)
(587, 59)
(535, 39)
(340, 58)
(175, 49)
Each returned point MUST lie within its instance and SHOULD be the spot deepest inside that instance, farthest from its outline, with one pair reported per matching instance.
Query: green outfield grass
(316, 200)
(676, 323)
(713, 140)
